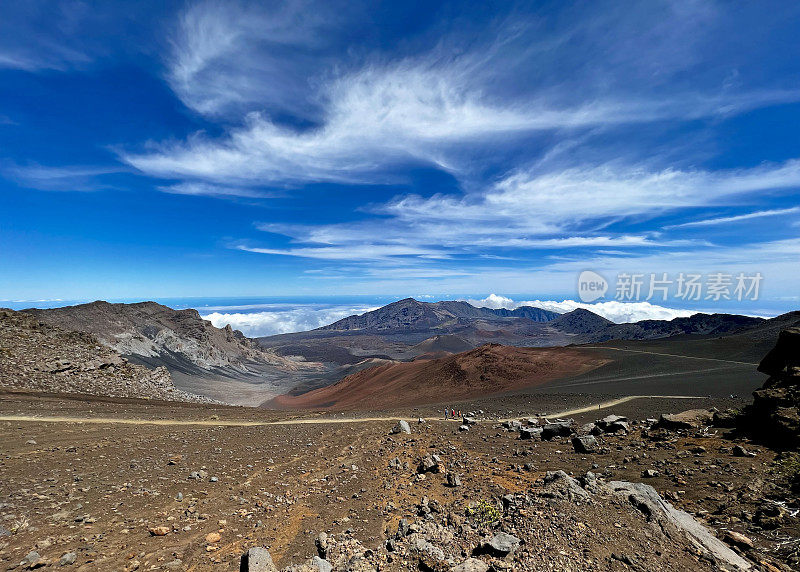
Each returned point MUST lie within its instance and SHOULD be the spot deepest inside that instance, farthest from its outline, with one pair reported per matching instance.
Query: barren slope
(43, 358)
(485, 370)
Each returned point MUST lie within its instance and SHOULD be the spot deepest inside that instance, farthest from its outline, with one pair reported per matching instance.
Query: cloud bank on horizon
(618, 312)
(232, 148)
(302, 317)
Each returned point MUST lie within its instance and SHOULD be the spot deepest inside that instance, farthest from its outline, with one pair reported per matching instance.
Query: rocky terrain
(774, 415)
(558, 476)
(157, 333)
(39, 357)
(198, 487)
(484, 371)
(220, 363)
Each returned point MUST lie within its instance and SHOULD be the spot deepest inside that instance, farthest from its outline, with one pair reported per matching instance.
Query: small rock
(401, 427)
(739, 451)
(471, 565)
(502, 544)
(213, 537)
(429, 464)
(321, 564)
(737, 539)
(453, 480)
(31, 560)
(322, 545)
(158, 530)
(463, 428)
(770, 516)
(403, 528)
(649, 473)
(30, 442)
(68, 559)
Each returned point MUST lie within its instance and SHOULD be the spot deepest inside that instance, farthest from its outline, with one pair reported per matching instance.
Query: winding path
(308, 421)
(664, 354)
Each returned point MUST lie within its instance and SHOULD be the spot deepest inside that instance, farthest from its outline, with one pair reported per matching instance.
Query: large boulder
(257, 559)
(557, 429)
(691, 419)
(530, 432)
(613, 423)
(775, 413)
(585, 444)
(783, 361)
(675, 521)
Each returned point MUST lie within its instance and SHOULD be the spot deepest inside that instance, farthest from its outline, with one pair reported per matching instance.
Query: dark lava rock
(585, 444)
(774, 415)
(530, 432)
(557, 429)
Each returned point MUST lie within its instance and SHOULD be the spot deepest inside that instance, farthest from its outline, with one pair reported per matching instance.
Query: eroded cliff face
(41, 357)
(151, 330)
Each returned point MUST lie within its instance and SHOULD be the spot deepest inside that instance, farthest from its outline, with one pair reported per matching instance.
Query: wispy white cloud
(530, 211)
(39, 35)
(349, 252)
(562, 199)
(737, 218)
(229, 56)
(381, 117)
(67, 178)
(209, 190)
(355, 119)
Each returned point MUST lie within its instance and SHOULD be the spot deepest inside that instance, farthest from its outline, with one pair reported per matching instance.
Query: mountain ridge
(410, 312)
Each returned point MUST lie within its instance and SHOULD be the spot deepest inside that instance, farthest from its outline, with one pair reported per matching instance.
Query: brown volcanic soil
(486, 370)
(95, 489)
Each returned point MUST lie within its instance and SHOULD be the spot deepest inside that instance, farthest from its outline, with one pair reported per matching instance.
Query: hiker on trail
(445, 413)
(453, 411)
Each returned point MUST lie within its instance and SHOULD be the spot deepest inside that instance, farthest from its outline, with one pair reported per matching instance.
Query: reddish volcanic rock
(482, 371)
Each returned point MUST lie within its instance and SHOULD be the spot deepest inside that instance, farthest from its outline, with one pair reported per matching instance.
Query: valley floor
(98, 489)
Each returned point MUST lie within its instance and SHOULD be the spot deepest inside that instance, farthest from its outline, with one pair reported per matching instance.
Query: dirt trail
(312, 421)
(668, 355)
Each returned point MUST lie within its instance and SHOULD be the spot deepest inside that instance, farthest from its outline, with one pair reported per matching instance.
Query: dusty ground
(96, 489)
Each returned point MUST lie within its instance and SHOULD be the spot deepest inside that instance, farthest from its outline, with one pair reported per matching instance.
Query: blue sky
(318, 149)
